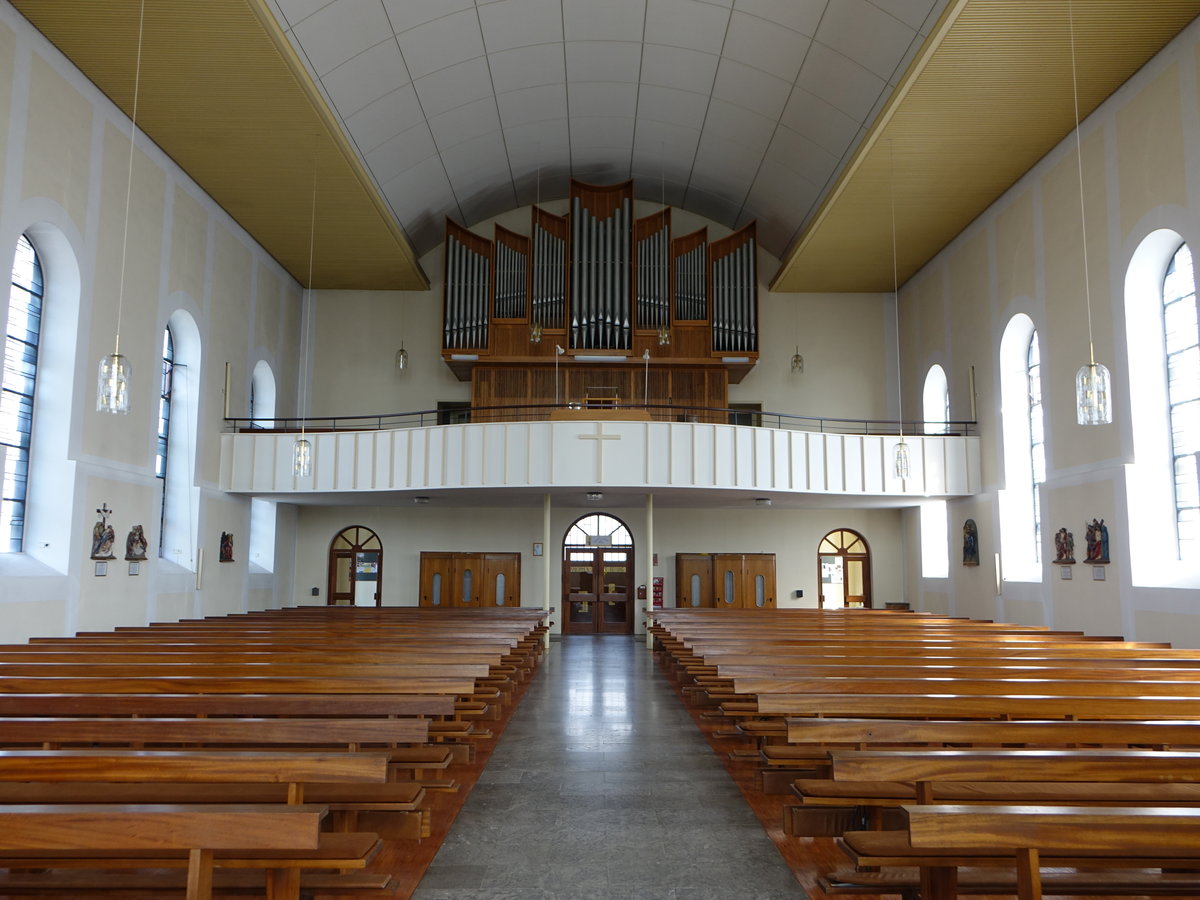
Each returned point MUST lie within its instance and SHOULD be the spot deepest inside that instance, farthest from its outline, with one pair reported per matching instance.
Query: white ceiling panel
(610, 20)
(840, 81)
(398, 153)
(603, 61)
(465, 123)
(693, 24)
(298, 10)
(751, 88)
(447, 88)
(913, 13)
(800, 155)
(385, 118)
(865, 33)
(671, 106)
(536, 104)
(610, 132)
(799, 15)
(359, 81)
(441, 43)
(661, 144)
(526, 67)
(764, 45)
(716, 208)
(731, 106)
(341, 31)
(519, 23)
(406, 14)
(673, 67)
(739, 126)
(592, 98)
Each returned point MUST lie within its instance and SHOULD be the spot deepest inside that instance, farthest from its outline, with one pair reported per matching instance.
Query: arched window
(262, 512)
(1037, 438)
(163, 443)
(1181, 345)
(176, 445)
(17, 390)
(1024, 449)
(936, 401)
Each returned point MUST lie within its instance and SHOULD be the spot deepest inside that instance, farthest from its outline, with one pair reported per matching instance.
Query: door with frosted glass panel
(693, 580)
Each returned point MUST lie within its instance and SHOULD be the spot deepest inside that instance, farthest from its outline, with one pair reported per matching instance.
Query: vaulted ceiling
(808, 116)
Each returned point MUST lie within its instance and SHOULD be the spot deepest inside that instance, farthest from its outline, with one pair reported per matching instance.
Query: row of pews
(948, 757)
(268, 754)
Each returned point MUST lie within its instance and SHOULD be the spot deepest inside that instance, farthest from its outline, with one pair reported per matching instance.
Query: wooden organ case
(607, 288)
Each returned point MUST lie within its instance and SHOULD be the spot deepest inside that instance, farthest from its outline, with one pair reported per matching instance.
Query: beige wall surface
(1139, 162)
(65, 155)
(792, 535)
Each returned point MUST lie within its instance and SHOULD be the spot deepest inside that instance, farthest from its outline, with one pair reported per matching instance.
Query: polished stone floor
(602, 788)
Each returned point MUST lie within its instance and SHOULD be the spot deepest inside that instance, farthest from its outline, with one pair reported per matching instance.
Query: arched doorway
(843, 570)
(597, 576)
(355, 568)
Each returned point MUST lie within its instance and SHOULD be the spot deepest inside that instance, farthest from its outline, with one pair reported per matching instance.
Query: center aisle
(602, 787)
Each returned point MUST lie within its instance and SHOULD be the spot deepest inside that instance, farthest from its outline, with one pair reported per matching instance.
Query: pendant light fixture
(900, 464)
(1093, 384)
(116, 372)
(302, 452)
(797, 360)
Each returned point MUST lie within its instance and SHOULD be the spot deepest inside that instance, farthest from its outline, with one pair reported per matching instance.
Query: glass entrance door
(598, 591)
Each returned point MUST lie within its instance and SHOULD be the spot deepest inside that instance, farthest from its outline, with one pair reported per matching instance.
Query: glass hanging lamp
(1093, 384)
(116, 372)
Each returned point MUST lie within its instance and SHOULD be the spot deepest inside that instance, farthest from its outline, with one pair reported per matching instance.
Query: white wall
(792, 535)
(1141, 169)
(64, 157)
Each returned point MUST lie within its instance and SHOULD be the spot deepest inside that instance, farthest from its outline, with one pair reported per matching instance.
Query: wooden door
(728, 580)
(500, 583)
(844, 566)
(468, 579)
(693, 580)
(598, 591)
(616, 606)
(858, 577)
(341, 578)
(580, 595)
(355, 568)
(758, 574)
(437, 579)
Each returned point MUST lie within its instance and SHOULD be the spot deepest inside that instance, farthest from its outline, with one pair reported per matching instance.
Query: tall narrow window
(164, 427)
(1023, 434)
(1182, 346)
(16, 392)
(1037, 438)
(935, 401)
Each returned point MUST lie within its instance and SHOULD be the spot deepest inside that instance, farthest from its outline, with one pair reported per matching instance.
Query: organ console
(607, 286)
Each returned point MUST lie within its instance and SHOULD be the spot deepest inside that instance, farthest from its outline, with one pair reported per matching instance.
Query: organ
(607, 287)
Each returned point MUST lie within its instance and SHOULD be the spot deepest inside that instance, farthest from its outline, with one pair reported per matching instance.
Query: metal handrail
(535, 412)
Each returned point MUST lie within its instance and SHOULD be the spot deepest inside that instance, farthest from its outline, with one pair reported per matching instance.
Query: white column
(546, 568)
(648, 565)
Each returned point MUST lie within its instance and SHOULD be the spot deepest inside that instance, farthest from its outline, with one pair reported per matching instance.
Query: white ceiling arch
(733, 109)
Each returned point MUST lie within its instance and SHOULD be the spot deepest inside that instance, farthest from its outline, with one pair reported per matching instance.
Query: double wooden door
(725, 580)
(597, 591)
(450, 579)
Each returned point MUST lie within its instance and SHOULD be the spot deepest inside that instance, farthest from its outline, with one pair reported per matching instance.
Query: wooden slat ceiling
(988, 96)
(223, 94)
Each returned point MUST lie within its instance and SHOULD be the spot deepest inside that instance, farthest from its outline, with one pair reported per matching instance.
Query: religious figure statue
(970, 543)
(1097, 542)
(226, 546)
(103, 535)
(1064, 547)
(135, 544)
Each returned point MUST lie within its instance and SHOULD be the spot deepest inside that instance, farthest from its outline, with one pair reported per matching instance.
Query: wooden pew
(940, 839)
(96, 836)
